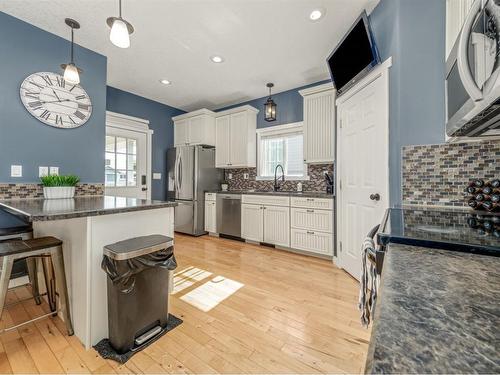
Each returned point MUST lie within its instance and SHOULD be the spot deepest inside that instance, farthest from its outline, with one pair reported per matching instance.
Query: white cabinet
(265, 223)
(195, 128)
(317, 220)
(319, 124)
(210, 213)
(252, 222)
(456, 12)
(307, 240)
(235, 138)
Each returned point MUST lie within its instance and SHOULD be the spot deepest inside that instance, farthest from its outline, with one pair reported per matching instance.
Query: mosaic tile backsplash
(19, 191)
(438, 174)
(316, 183)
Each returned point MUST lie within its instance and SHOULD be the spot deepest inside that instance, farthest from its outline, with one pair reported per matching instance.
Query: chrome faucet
(276, 185)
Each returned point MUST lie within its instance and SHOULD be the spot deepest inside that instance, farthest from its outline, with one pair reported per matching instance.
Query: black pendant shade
(270, 106)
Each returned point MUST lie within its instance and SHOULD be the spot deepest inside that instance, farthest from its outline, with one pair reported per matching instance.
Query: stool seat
(137, 246)
(16, 247)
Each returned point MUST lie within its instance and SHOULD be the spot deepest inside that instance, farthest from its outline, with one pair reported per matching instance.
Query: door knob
(144, 189)
(375, 197)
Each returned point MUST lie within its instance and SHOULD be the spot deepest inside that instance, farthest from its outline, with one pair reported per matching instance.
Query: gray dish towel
(368, 283)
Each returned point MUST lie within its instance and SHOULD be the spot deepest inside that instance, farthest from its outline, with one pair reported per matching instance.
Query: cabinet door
(252, 222)
(222, 141)
(196, 130)
(319, 126)
(181, 132)
(306, 218)
(277, 225)
(239, 140)
(210, 217)
(316, 242)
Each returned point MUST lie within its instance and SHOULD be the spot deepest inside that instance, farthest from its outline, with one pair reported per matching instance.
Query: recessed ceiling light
(217, 59)
(316, 14)
(165, 81)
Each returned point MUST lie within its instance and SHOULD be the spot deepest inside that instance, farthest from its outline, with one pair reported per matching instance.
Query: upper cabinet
(319, 124)
(235, 137)
(456, 11)
(195, 128)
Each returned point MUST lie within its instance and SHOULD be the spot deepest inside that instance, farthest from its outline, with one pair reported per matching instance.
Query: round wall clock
(55, 102)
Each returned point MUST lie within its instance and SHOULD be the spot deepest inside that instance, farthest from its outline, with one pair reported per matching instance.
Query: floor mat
(106, 351)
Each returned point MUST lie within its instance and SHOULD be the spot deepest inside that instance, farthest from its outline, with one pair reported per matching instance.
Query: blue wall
(289, 109)
(413, 33)
(25, 49)
(160, 121)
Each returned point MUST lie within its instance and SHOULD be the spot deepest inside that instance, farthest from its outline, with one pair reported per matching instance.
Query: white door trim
(125, 122)
(382, 71)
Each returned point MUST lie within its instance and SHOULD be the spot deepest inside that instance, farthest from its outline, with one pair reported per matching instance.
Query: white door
(363, 168)
(222, 141)
(181, 132)
(126, 163)
(239, 139)
(277, 225)
(252, 222)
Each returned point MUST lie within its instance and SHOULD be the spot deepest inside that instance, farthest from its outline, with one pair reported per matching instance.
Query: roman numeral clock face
(53, 101)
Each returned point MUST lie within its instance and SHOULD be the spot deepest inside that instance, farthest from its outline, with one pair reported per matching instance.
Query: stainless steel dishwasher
(229, 214)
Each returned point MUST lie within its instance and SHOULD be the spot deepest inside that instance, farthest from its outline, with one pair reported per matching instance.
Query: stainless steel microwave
(473, 74)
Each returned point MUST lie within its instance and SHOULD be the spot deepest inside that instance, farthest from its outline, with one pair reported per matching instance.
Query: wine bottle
(473, 203)
(470, 190)
(495, 198)
(480, 197)
(478, 183)
(488, 226)
(489, 205)
(487, 190)
(495, 183)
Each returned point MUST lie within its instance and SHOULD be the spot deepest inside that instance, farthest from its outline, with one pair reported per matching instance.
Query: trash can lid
(137, 246)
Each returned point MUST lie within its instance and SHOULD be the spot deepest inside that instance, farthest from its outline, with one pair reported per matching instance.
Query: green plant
(51, 181)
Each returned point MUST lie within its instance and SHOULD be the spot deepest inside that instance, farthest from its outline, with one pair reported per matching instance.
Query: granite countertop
(308, 194)
(438, 311)
(39, 209)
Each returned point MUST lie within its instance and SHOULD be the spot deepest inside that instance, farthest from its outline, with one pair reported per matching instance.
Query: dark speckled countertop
(40, 209)
(438, 311)
(308, 194)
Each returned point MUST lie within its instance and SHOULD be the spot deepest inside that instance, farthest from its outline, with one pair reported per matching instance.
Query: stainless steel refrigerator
(191, 172)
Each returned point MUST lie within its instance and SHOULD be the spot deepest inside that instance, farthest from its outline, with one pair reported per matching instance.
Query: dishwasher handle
(229, 196)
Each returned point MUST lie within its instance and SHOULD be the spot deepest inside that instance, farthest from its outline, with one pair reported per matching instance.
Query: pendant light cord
(72, 36)
(120, 7)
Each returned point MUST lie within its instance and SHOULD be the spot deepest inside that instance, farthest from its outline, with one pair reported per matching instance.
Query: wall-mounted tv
(355, 55)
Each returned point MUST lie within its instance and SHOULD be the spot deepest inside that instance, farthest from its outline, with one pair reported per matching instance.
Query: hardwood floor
(246, 309)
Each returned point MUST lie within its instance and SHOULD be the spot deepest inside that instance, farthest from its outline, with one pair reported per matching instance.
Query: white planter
(58, 192)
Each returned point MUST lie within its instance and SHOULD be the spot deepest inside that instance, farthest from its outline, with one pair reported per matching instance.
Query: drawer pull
(309, 232)
(310, 211)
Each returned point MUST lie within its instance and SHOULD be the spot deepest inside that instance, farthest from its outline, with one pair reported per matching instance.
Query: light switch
(156, 176)
(54, 171)
(229, 176)
(16, 171)
(245, 176)
(43, 171)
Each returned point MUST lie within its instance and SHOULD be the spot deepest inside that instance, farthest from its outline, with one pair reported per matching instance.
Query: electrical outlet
(54, 171)
(43, 171)
(229, 176)
(245, 176)
(156, 176)
(16, 171)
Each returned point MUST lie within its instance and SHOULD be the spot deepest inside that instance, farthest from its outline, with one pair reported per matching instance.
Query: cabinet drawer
(321, 203)
(210, 196)
(315, 242)
(311, 219)
(268, 200)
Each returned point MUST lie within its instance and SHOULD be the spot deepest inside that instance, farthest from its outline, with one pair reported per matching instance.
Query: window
(281, 145)
(121, 161)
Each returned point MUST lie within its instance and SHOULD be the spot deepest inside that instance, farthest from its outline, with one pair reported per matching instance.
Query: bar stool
(32, 249)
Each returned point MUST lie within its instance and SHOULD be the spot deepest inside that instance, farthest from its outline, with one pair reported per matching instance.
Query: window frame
(295, 127)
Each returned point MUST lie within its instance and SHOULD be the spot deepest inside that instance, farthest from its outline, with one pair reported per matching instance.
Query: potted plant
(57, 187)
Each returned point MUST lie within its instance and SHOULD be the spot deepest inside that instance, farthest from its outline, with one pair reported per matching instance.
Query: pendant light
(71, 71)
(120, 29)
(270, 106)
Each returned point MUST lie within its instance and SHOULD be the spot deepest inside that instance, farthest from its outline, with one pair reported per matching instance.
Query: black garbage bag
(122, 272)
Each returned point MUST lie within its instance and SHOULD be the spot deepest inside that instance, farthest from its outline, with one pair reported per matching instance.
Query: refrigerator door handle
(176, 174)
(180, 172)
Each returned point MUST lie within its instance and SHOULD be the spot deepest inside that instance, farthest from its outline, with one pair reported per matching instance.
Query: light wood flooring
(246, 309)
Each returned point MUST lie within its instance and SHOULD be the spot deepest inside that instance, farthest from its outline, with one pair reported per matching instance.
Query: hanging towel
(368, 283)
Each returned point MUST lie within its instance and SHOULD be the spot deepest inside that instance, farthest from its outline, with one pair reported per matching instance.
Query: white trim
(280, 129)
(317, 89)
(236, 110)
(198, 112)
(372, 76)
(124, 122)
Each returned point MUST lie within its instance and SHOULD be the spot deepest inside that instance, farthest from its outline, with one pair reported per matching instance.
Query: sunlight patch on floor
(210, 294)
(188, 277)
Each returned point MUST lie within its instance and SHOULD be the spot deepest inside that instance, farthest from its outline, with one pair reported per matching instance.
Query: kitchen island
(438, 311)
(86, 225)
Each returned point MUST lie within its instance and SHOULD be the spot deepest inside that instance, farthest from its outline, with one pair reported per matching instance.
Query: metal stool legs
(58, 263)
(50, 282)
(31, 264)
(7, 263)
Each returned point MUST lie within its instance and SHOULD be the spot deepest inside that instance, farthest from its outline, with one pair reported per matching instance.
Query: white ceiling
(261, 40)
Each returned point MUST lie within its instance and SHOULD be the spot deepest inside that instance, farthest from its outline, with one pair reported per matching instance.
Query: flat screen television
(355, 55)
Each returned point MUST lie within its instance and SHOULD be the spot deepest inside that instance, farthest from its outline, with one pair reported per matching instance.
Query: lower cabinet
(307, 240)
(210, 217)
(269, 224)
